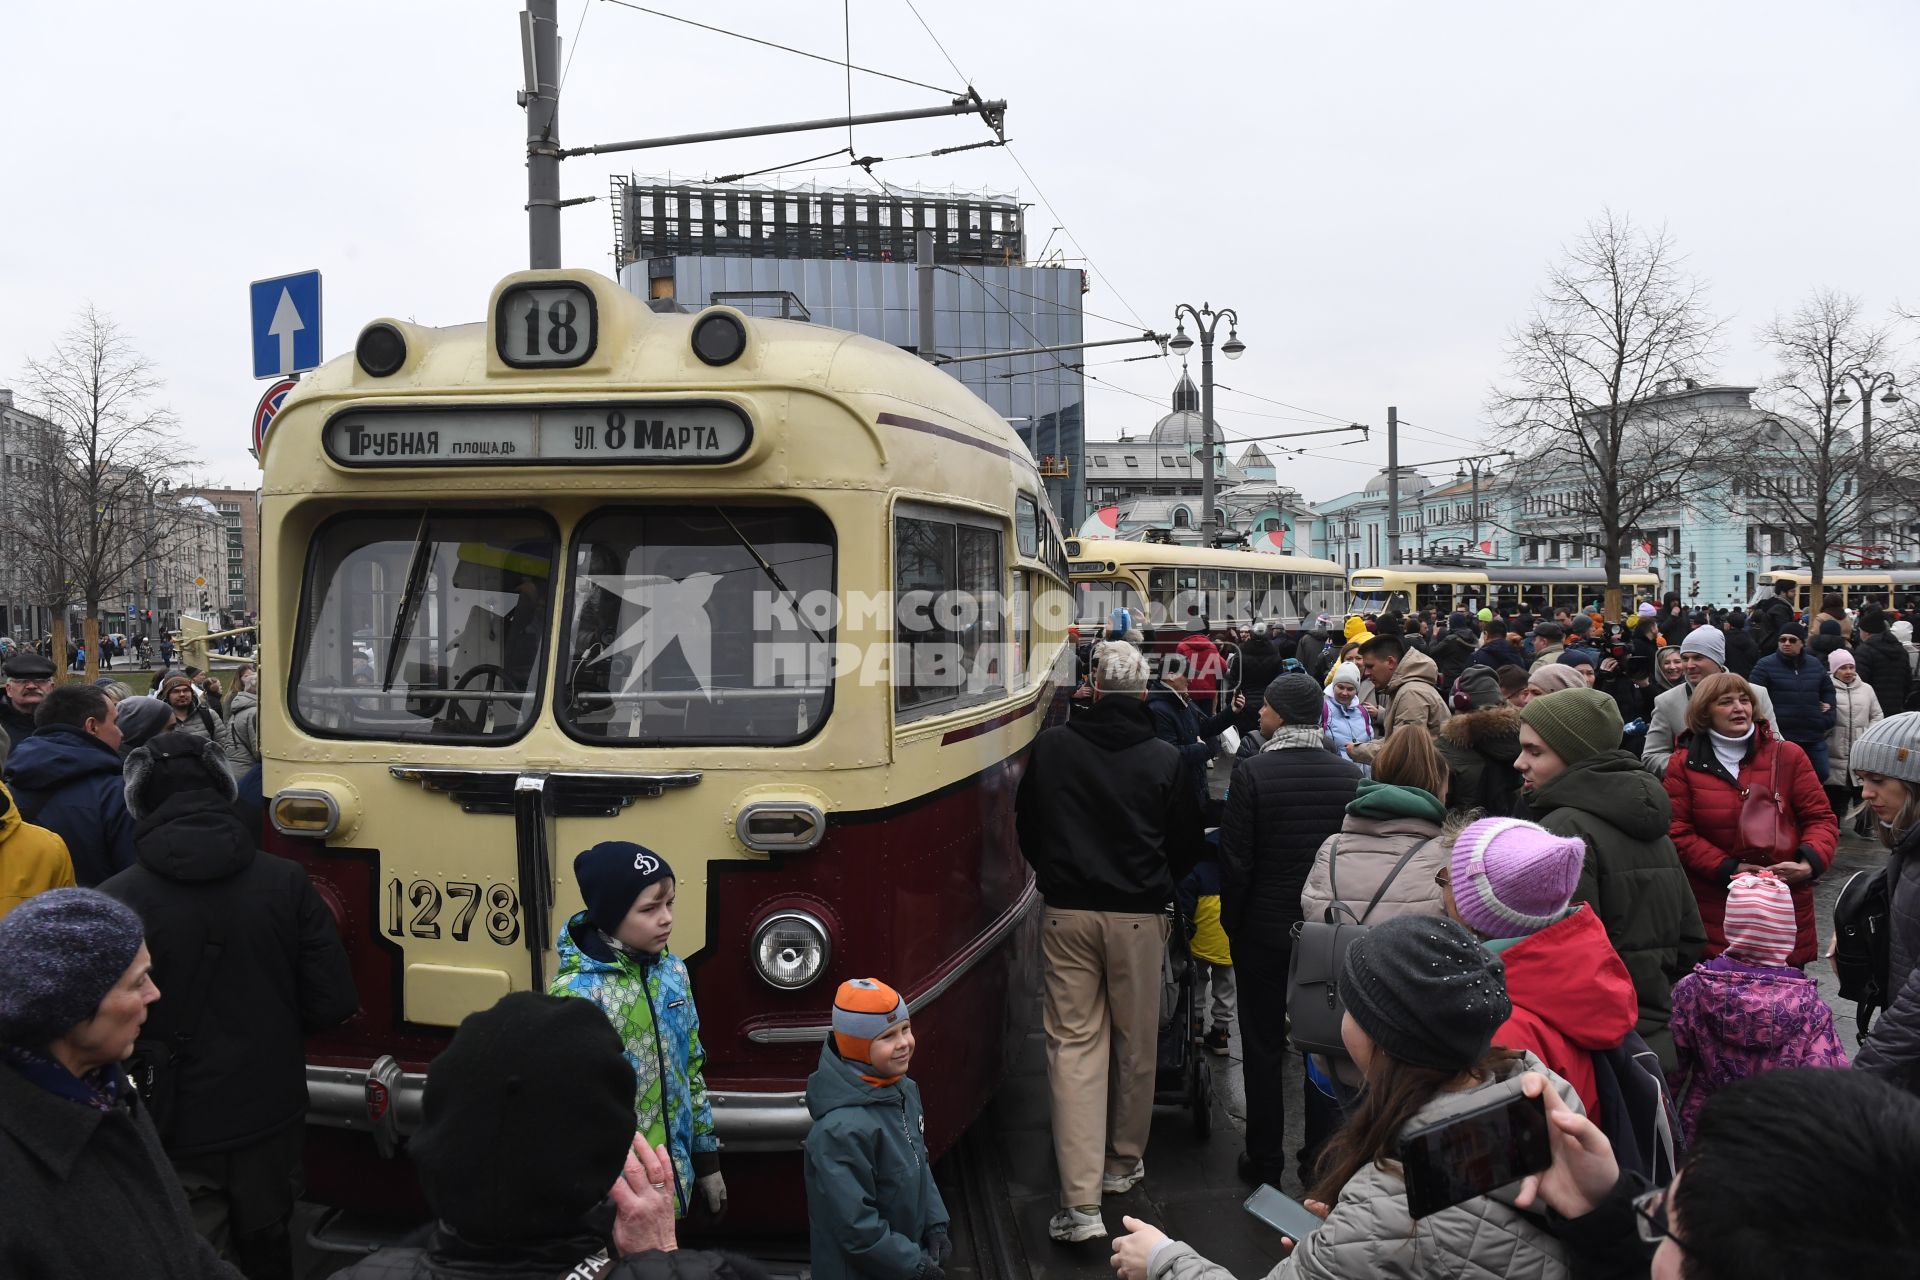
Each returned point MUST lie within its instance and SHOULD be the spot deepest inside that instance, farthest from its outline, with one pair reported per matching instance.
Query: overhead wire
(578, 27)
(786, 48)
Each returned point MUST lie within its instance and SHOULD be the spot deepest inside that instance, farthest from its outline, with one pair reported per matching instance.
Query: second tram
(1857, 588)
(1174, 586)
(1443, 588)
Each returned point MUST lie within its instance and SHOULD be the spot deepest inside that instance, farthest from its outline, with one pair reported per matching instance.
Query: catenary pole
(1393, 485)
(540, 50)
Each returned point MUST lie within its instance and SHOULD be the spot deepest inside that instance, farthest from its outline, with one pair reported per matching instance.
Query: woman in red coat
(1726, 755)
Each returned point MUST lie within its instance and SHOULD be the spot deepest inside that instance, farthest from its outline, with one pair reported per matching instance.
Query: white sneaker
(1071, 1226)
(1113, 1184)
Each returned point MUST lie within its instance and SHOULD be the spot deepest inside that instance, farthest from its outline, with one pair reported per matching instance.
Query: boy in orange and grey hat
(872, 1208)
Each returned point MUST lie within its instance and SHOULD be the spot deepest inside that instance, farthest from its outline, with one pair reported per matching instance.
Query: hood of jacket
(581, 949)
(1570, 978)
(1613, 786)
(1757, 1010)
(194, 837)
(1416, 666)
(838, 1084)
(1116, 721)
(1383, 800)
(240, 702)
(140, 764)
(1492, 730)
(57, 754)
(10, 819)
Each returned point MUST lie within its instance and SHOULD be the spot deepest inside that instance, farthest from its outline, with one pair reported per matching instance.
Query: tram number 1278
(416, 908)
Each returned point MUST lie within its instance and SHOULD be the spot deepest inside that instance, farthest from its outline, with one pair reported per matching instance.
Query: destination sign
(603, 434)
(1081, 568)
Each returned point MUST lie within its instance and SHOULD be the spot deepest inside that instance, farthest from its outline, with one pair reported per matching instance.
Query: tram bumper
(387, 1104)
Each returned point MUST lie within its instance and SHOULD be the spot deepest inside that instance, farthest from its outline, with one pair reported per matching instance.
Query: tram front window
(417, 624)
(699, 624)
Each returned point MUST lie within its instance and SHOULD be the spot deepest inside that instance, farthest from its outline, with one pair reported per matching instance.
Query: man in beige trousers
(1108, 821)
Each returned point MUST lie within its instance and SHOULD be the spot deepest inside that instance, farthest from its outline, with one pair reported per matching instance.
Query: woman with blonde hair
(1743, 800)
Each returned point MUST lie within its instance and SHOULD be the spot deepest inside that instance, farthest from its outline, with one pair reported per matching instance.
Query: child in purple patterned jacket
(1748, 1011)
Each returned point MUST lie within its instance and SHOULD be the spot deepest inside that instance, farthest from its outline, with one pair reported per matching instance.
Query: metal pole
(923, 255)
(1476, 507)
(991, 112)
(1393, 485)
(1866, 455)
(1207, 512)
(543, 136)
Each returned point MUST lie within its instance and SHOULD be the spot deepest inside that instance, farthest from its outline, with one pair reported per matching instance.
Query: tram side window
(415, 624)
(1026, 525)
(699, 624)
(948, 601)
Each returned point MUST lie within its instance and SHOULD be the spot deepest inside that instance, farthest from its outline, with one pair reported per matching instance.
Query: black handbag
(1320, 947)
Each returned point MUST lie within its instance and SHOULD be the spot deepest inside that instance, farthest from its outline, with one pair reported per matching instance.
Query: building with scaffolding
(845, 258)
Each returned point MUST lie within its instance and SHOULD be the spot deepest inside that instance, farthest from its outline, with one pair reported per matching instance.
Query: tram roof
(644, 352)
(1173, 555)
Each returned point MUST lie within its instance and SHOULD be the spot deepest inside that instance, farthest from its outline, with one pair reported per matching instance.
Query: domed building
(1151, 486)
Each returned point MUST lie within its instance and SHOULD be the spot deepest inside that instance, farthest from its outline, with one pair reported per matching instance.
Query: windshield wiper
(409, 602)
(773, 575)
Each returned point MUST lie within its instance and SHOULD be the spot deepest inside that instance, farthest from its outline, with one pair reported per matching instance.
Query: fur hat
(172, 763)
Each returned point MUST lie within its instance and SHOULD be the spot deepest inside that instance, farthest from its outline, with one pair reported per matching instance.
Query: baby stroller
(1183, 1077)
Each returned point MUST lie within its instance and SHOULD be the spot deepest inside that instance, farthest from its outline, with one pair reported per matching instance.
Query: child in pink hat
(1512, 884)
(1748, 1010)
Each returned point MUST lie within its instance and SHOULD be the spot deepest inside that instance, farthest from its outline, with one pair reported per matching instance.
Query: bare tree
(1812, 473)
(114, 445)
(1584, 405)
(41, 521)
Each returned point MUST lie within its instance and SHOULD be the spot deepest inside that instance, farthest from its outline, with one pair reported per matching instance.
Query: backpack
(1860, 943)
(1636, 1110)
(1320, 947)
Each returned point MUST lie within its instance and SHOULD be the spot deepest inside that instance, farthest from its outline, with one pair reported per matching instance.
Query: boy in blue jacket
(872, 1208)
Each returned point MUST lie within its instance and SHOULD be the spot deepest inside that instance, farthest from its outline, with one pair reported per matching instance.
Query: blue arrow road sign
(286, 324)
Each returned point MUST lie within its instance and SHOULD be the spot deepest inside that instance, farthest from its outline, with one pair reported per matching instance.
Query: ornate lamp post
(1866, 383)
(1207, 321)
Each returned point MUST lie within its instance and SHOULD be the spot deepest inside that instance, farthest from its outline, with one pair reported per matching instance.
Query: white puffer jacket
(1369, 1235)
(1855, 706)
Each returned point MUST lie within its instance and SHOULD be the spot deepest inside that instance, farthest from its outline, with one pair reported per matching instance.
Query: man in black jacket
(1770, 617)
(1109, 823)
(29, 677)
(253, 964)
(1882, 662)
(1281, 805)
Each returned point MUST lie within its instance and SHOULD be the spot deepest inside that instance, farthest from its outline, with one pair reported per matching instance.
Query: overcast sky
(1376, 188)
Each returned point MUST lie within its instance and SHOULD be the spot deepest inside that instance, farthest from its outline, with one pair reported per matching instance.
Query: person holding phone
(1423, 999)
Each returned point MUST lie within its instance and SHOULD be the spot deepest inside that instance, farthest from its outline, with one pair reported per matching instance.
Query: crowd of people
(1577, 859)
(1560, 874)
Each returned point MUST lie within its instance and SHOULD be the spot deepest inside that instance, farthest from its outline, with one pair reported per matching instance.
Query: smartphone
(1468, 1155)
(1283, 1213)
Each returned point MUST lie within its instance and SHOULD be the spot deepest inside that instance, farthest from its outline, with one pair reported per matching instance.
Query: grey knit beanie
(1708, 642)
(1296, 698)
(1890, 748)
(1425, 991)
(60, 954)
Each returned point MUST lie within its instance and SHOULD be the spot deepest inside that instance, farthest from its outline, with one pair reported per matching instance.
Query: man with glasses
(29, 676)
(1802, 692)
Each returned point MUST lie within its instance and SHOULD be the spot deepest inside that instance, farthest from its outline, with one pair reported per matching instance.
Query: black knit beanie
(612, 876)
(527, 1120)
(1425, 991)
(1295, 698)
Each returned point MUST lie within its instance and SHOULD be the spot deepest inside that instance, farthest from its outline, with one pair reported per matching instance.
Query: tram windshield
(699, 624)
(421, 624)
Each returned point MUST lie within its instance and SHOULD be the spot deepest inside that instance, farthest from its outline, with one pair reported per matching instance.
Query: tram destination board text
(603, 434)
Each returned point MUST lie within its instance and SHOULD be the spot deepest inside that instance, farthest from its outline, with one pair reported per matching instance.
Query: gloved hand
(939, 1246)
(713, 1188)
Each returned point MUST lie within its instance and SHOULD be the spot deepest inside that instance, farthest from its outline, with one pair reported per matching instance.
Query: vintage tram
(780, 602)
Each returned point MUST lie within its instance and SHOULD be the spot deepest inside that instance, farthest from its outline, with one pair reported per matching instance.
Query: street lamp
(1484, 462)
(1207, 321)
(1866, 383)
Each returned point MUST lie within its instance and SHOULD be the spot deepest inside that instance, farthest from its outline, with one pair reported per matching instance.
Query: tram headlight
(381, 350)
(791, 949)
(719, 337)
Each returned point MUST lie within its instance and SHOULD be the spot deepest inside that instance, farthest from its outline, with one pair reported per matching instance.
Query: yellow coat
(32, 859)
(1209, 938)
